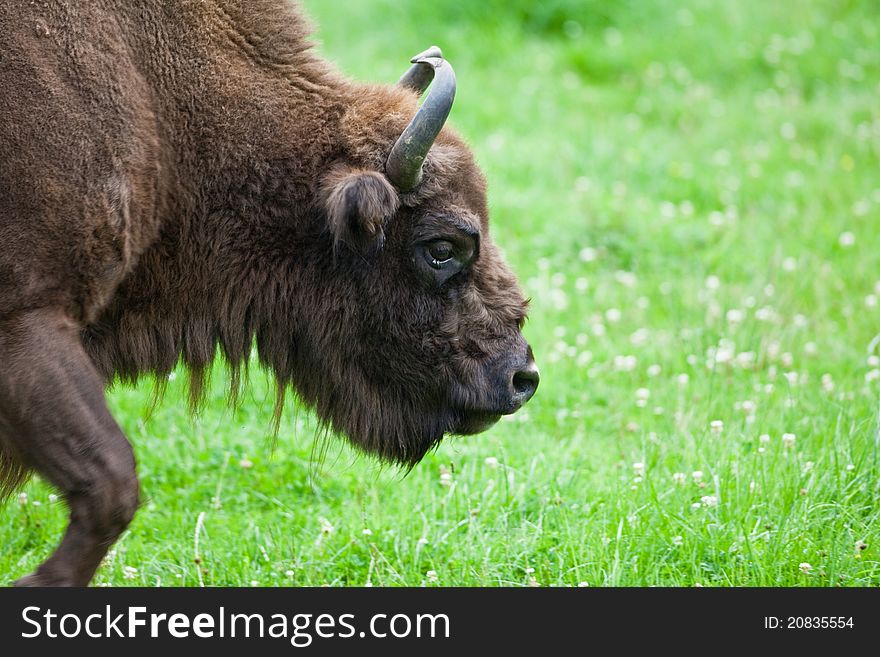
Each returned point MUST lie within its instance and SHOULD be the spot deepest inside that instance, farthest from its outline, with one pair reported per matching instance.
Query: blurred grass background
(690, 193)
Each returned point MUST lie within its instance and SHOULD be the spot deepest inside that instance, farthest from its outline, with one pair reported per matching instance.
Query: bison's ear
(358, 202)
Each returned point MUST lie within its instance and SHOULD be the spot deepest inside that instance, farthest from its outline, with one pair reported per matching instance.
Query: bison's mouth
(471, 422)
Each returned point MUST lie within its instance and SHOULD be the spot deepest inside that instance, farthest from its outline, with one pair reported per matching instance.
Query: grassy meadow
(690, 194)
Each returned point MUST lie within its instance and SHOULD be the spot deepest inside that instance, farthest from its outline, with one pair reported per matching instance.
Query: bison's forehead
(372, 125)
(453, 184)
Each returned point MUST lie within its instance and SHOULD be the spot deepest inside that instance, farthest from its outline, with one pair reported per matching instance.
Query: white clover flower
(788, 440)
(697, 476)
(716, 426)
(613, 315)
(850, 467)
(752, 486)
(827, 383)
(723, 353)
(247, 464)
(491, 462)
(446, 479)
(677, 541)
(810, 348)
(367, 532)
(805, 568)
(588, 254)
(129, 572)
(639, 469)
(745, 359)
(653, 370)
(734, 315)
(679, 478)
(326, 527)
(765, 314)
(639, 337)
(696, 505)
(625, 278)
(431, 576)
(682, 379)
(583, 585)
(808, 466)
(846, 239)
(709, 500)
(289, 574)
(713, 282)
(789, 264)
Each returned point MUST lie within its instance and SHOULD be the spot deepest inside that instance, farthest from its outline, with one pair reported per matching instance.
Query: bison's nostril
(525, 382)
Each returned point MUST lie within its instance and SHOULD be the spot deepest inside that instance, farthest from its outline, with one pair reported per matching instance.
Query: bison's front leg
(53, 417)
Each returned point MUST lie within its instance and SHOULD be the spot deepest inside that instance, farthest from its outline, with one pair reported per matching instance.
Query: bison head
(420, 318)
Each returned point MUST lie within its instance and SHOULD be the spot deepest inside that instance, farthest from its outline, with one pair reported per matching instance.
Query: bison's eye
(439, 259)
(441, 252)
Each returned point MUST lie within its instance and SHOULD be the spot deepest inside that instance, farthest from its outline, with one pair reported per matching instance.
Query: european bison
(179, 177)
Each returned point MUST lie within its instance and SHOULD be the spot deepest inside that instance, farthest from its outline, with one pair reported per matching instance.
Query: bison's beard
(388, 424)
(397, 428)
(471, 422)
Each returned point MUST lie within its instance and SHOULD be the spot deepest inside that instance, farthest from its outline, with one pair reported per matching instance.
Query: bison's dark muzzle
(521, 381)
(524, 383)
(516, 381)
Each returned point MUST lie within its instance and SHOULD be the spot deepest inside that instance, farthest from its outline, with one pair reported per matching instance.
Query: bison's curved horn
(404, 164)
(418, 76)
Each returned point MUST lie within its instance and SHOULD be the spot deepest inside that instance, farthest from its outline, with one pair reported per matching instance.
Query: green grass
(676, 185)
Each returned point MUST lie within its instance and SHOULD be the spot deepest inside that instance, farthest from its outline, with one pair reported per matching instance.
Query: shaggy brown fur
(182, 177)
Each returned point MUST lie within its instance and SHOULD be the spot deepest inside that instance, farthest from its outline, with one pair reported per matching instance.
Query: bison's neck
(248, 118)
